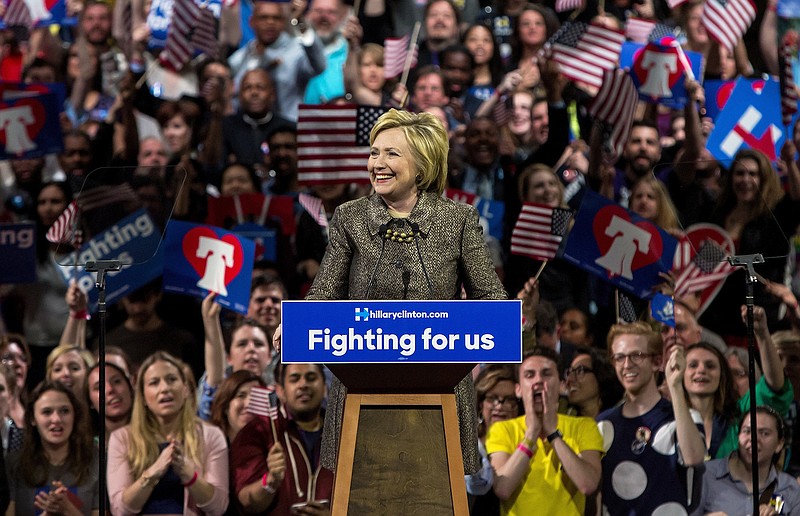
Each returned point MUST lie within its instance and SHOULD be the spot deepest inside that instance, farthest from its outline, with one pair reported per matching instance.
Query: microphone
(418, 233)
(382, 233)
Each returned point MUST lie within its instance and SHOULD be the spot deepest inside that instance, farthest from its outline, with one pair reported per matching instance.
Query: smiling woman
(166, 461)
(406, 242)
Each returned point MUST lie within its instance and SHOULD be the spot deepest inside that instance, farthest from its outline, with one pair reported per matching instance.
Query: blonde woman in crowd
(167, 461)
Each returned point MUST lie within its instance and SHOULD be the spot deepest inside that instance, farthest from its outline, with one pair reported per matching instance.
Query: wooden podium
(400, 444)
(400, 447)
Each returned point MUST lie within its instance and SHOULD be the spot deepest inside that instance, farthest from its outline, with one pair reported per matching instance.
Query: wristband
(192, 481)
(265, 486)
(81, 314)
(524, 449)
(555, 435)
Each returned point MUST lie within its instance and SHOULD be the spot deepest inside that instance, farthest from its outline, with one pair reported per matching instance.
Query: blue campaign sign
(160, 17)
(17, 253)
(401, 331)
(750, 120)
(619, 246)
(134, 241)
(266, 239)
(718, 91)
(658, 72)
(30, 126)
(202, 259)
(491, 212)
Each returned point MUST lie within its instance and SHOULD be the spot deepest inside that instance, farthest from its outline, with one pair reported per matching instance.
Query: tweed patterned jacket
(446, 251)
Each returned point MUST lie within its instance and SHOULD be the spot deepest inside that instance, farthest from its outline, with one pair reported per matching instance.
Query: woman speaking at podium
(405, 241)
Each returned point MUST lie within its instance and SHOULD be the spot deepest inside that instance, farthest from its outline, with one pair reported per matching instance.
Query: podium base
(400, 454)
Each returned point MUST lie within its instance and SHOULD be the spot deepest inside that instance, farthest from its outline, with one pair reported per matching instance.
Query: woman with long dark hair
(56, 471)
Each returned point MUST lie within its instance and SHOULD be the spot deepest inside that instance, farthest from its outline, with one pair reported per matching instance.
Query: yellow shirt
(545, 488)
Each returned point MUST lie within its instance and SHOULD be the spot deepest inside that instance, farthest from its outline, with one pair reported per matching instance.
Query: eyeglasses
(637, 357)
(741, 373)
(578, 371)
(508, 401)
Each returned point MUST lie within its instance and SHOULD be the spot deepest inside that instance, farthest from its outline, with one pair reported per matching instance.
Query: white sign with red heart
(700, 267)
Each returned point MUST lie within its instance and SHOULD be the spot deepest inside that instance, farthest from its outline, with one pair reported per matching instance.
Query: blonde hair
(666, 213)
(524, 186)
(373, 50)
(143, 446)
(86, 357)
(428, 142)
(639, 328)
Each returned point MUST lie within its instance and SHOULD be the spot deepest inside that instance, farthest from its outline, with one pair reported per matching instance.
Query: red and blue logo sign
(29, 126)
(201, 259)
(659, 70)
(751, 120)
(619, 246)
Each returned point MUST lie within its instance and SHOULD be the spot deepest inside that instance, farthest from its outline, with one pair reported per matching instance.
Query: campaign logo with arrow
(751, 120)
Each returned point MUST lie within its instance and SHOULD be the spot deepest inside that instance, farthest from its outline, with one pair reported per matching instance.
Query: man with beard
(291, 59)
(482, 174)
(76, 158)
(327, 17)
(244, 134)
(441, 30)
(283, 162)
(275, 463)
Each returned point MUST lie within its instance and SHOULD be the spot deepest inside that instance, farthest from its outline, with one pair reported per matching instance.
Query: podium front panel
(396, 472)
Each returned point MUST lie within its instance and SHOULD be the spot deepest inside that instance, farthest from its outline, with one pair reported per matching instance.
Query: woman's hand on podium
(276, 339)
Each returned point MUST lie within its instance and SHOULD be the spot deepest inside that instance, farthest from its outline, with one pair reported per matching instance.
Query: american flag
(263, 402)
(395, 53)
(568, 5)
(17, 14)
(584, 51)
(727, 20)
(539, 231)
(615, 104)
(789, 95)
(333, 142)
(65, 229)
(313, 205)
(627, 311)
(640, 30)
(707, 267)
(501, 111)
(193, 29)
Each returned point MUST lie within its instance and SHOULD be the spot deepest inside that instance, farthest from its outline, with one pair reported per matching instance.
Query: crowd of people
(605, 415)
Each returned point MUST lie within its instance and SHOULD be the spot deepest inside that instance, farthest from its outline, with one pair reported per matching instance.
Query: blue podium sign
(401, 331)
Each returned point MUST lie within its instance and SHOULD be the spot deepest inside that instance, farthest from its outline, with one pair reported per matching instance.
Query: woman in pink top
(167, 461)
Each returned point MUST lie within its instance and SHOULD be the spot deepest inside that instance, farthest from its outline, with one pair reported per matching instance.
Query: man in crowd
(291, 60)
(275, 463)
(327, 18)
(245, 133)
(544, 462)
(651, 444)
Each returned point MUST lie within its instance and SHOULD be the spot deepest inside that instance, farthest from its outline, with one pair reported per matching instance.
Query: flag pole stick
(274, 430)
(616, 302)
(356, 7)
(539, 272)
(146, 73)
(410, 54)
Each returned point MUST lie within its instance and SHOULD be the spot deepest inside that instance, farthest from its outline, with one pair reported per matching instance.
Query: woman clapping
(167, 461)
